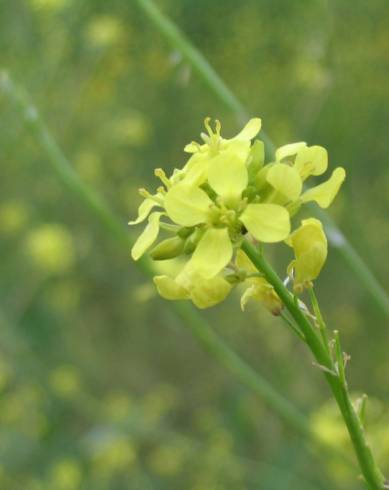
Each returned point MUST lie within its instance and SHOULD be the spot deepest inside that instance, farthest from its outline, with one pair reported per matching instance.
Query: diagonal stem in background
(190, 317)
(213, 81)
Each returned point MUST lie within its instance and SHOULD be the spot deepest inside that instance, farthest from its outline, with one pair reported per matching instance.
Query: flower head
(223, 194)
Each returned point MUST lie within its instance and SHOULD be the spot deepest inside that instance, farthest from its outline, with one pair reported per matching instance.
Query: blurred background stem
(202, 67)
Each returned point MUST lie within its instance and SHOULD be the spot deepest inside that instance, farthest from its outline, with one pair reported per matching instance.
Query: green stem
(207, 73)
(292, 326)
(319, 318)
(369, 468)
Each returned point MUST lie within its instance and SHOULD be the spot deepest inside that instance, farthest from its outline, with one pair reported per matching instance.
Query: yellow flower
(222, 212)
(205, 156)
(294, 164)
(223, 224)
(224, 194)
(310, 248)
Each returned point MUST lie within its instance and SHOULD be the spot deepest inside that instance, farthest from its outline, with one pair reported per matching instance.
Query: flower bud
(185, 232)
(168, 249)
(234, 278)
(192, 241)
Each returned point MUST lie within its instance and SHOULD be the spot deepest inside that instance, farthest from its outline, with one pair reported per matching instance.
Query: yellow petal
(325, 193)
(243, 262)
(209, 292)
(227, 175)
(289, 150)
(311, 160)
(143, 211)
(212, 254)
(251, 130)
(187, 205)
(260, 290)
(169, 289)
(286, 180)
(195, 171)
(310, 248)
(192, 147)
(240, 147)
(147, 237)
(266, 222)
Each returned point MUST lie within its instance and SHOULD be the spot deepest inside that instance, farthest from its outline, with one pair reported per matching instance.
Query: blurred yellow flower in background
(51, 248)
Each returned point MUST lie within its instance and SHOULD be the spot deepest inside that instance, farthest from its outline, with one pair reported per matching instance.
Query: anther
(158, 172)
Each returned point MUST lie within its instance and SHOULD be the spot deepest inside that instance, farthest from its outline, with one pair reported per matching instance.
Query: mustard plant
(218, 210)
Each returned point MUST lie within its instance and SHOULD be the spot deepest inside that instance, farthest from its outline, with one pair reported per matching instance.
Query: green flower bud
(192, 241)
(185, 232)
(234, 278)
(168, 249)
(250, 192)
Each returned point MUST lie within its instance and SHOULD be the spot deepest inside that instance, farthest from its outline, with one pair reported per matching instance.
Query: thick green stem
(369, 468)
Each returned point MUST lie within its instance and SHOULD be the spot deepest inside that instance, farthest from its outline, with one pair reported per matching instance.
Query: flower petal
(209, 292)
(243, 262)
(147, 237)
(195, 171)
(310, 248)
(311, 160)
(262, 291)
(240, 147)
(192, 147)
(187, 205)
(286, 180)
(169, 289)
(289, 150)
(227, 175)
(251, 130)
(325, 193)
(266, 222)
(143, 211)
(212, 254)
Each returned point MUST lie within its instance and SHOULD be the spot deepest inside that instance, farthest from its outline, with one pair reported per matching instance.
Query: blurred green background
(101, 387)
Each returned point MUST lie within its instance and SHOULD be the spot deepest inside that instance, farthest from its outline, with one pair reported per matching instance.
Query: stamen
(161, 190)
(158, 172)
(154, 197)
(207, 120)
(218, 127)
(145, 193)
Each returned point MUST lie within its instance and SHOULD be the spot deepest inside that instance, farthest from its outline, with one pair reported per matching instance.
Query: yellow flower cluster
(225, 193)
